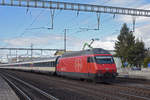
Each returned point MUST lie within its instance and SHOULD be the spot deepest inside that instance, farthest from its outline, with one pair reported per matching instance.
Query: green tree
(126, 40)
(136, 53)
(128, 49)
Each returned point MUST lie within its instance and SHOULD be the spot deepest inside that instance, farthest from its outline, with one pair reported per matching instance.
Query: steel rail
(145, 98)
(35, 88)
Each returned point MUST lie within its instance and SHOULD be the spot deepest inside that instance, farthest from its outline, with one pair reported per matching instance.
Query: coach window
(90, 59)
(39, 64)
(47, 64)
(50, 64)
(44, 64)
(36, 64)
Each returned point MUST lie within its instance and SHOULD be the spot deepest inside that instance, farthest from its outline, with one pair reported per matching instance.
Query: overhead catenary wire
(52, 14)
(35, 19)
(98, 23)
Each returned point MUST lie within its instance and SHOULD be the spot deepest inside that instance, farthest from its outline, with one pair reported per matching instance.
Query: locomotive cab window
(104, 59)
(90, 59)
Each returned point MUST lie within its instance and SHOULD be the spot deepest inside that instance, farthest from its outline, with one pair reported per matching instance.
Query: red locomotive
(94, 63)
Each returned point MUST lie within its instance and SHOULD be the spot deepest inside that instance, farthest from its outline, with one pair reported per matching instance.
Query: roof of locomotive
(85, 52)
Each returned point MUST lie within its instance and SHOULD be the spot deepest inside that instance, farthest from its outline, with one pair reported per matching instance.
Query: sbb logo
(78, 65)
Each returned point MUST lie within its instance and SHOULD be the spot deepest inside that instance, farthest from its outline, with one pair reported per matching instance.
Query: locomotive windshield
(104, 60)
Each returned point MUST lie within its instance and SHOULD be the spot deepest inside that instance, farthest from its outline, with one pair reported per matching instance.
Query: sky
(21, 27)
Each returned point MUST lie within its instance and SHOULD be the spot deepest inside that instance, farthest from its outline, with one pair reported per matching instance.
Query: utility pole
(8, 58)
(16, 56)
(31, 51)
(10, 52)
(134, 20)
(65, 39)
(41, 52)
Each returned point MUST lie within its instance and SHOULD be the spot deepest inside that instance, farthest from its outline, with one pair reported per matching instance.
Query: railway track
(22, 94)
(77, 90)
(133, 80)
(113, 92)
(26, 91)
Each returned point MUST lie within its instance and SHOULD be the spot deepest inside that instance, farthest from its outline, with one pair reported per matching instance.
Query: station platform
(6, 92)
(133, 76)
(144, 73)
(136, 75)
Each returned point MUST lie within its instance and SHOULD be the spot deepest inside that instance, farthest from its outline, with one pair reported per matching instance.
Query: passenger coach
(41, 66)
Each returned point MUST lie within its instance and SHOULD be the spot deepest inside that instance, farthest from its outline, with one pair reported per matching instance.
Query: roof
(31, 62)
(85, 52)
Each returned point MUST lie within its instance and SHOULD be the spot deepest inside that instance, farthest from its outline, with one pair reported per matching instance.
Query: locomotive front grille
(107, 74)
